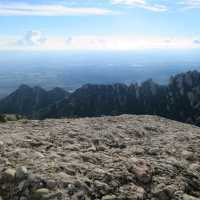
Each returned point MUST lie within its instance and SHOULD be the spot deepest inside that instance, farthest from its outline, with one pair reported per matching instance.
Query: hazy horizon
(70, 70)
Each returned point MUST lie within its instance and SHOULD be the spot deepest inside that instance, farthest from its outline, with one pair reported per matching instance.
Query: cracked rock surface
(108, 158)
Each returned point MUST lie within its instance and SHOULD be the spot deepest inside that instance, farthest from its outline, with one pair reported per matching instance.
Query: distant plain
(70, 70)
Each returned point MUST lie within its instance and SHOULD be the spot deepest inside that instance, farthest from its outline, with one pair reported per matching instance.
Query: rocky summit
(127, 157)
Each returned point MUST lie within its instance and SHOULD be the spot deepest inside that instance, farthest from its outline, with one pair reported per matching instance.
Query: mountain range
(27, 101)
(178, 100)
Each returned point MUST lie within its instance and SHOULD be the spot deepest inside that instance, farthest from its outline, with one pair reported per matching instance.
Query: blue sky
(99, 24)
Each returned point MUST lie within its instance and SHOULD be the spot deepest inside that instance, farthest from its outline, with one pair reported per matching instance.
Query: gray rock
(109, 197)
(142, 171)
(101, 187)
(21, 173)
(188, 155)
(188, 197)
(163, 192)
(1, 144)
(40, 194)
(9, 175)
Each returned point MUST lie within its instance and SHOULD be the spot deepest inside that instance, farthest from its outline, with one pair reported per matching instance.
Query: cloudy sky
(99, 24)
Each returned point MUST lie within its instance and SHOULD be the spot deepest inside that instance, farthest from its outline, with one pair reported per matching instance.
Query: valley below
(71, 70)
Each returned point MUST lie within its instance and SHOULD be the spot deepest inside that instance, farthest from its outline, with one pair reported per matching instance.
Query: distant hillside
(27, 101)
(178, 100)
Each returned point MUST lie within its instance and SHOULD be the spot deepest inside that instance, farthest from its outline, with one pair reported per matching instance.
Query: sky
(45, 25)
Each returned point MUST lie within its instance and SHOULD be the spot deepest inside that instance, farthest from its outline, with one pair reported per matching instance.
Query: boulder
(21, 173)
(189, 197)
(188, 155)
(109, 197)
(141, 170)
(9, 175)
(163, 192)
(40, 194)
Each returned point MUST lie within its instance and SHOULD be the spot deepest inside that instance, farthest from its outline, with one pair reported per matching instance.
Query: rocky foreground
(109, 158)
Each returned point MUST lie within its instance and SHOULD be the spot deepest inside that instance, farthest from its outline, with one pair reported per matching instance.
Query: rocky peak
(26, 100)
(24, 87)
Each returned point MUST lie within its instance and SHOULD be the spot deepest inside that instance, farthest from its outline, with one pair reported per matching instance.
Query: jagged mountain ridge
(26, 100)
(96, 100)
(178, 100)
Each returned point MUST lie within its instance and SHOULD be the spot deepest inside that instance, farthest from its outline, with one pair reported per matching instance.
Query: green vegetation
(9, 117)
(2, 118)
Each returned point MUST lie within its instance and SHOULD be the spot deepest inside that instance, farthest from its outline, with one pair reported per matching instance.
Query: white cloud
(33, 38)
(35, 42)
(23, 9)
(190, 4)
(142, 4)
(197, 42)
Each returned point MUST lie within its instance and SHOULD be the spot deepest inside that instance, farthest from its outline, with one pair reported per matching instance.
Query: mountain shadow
(179, 100)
